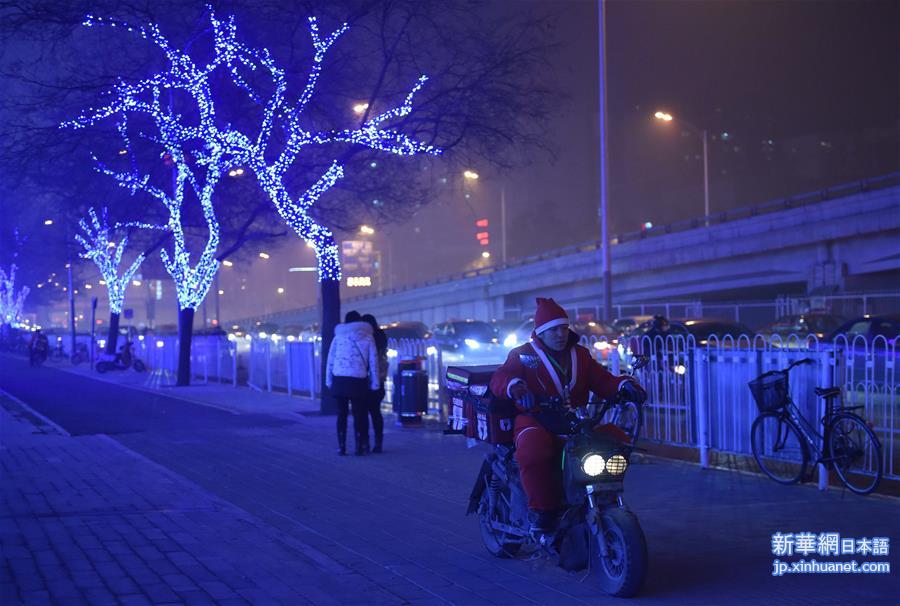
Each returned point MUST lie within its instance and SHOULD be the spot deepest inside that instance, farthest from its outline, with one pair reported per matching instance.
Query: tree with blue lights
(197, 166)
(12, 301)
(106, 254)
(198, 142)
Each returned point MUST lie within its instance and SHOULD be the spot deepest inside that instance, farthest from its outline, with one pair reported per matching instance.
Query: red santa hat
(548, 315)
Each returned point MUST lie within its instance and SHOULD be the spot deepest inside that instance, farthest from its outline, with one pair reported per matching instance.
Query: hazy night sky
(796, 73)
(808, 92)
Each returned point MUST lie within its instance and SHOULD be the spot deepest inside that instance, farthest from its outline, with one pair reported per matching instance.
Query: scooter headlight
(593, 465)
(616, 465)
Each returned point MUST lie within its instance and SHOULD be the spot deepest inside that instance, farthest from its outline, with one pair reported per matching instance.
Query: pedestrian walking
(352, 374)
(376, 396)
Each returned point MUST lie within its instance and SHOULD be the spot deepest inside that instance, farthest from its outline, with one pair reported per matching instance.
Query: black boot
(379, 441)
(360, 445)
(342, 442)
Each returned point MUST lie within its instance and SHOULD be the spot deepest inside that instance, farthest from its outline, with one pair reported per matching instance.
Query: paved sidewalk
(224, 396)
(84, 520)
(247, 511)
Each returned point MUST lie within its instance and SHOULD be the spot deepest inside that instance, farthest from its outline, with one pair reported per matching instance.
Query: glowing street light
(359, 108)
(365, 229)
(280, 290)
(471, 175)
(485, 255)
(227, 263)
(48, 221)
(263, 255)
(667, 117)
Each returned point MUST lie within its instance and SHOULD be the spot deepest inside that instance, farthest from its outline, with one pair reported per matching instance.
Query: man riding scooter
(552, 365)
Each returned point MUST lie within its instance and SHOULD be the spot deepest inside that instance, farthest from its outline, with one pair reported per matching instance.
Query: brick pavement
(84, 520)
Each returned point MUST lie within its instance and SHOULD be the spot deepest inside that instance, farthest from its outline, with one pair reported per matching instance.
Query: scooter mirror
(640, 362)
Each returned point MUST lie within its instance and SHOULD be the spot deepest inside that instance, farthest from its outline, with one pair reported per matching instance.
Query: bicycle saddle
(828, 392)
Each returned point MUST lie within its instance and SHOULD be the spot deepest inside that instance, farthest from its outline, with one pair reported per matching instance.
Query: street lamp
(365, 229)
(666, 118)
(359, 108)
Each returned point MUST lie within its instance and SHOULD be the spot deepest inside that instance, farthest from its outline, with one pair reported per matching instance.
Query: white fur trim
(511, 383)
(550, 324)
(574, 370)
(521, 433)
(552, 371)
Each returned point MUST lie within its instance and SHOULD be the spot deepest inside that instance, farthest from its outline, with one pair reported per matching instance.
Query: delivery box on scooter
(473, 409)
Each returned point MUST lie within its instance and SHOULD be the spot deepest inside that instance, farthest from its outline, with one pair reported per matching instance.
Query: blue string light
(107, 256)
(223, 147)
(11, 302)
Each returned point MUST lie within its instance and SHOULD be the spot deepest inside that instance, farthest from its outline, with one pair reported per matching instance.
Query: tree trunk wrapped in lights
(107, 256)
(12, 302)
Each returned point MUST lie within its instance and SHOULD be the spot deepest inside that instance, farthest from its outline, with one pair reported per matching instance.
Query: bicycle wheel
(778, 448)
(855, 452)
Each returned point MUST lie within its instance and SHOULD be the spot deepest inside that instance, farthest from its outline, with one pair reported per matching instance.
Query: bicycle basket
(770, 390)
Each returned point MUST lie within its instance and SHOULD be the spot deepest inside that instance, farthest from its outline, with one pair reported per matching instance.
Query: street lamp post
(604, 162)
(471, 175)
(666, 117)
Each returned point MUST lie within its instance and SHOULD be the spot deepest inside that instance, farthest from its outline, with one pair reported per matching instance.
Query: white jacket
(352, 354)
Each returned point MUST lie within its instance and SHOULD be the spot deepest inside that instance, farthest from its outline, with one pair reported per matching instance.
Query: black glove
(632, 391)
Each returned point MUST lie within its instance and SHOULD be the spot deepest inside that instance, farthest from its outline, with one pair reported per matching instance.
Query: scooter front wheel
(102, 367)
(621, 573)
(139, 366)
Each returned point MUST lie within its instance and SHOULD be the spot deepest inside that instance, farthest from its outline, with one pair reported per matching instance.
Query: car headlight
(616, 464)
(472, 343)
(510, 340)
(593, 465)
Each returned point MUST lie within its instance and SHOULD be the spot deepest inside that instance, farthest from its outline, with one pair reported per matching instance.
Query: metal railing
(698, 394)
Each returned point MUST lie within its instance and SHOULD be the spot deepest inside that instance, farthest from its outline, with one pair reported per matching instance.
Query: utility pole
(604, 163)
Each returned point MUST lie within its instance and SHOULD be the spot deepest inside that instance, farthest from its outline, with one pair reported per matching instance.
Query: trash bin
(410, 399)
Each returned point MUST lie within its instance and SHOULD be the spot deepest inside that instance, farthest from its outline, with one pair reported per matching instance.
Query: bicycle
(783, 440)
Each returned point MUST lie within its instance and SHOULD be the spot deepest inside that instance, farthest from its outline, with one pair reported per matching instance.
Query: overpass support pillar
(828, 273)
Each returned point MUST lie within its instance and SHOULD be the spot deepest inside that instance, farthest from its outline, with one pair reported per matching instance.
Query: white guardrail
(698, 394)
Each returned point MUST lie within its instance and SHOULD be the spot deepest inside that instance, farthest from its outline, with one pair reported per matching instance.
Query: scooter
(596, 530)
(123, 360)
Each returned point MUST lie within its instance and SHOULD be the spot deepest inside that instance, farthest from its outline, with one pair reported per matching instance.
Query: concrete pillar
(828, 273)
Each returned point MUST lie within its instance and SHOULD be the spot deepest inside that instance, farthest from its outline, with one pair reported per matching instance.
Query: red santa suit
(571, 375)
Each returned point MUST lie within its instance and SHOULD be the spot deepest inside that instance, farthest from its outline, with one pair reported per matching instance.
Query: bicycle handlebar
(798, 363)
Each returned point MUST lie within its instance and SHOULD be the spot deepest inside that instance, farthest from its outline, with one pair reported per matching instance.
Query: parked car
(512, 333)
(468, 334)
(870, 327)
(626, 324)
(817, 323)
(703, 328)
(406, 330)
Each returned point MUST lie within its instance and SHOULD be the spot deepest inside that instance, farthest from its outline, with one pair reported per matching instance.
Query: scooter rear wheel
(495, 541)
